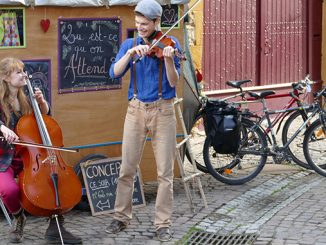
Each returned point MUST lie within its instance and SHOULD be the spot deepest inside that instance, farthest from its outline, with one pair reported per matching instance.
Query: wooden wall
(195, 28)
(85, 118)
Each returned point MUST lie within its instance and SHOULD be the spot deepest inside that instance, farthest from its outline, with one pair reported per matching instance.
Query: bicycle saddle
(238, 83)
(261, 95)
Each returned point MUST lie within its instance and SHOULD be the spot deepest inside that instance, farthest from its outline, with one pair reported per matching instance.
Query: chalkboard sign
(40, 72)
(170, 15)
(87, 48)
(101, 178)
(131, 33)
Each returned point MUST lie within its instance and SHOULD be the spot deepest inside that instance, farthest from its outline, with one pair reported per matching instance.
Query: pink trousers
(9, 188)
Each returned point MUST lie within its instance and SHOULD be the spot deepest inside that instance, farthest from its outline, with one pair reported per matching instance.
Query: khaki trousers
(158, 119)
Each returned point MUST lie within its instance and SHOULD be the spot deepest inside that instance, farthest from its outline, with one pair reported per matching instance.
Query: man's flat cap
(151, 9)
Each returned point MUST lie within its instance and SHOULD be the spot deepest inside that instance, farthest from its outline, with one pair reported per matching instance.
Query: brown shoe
(163, 234)
(116, 226)
(17, 229)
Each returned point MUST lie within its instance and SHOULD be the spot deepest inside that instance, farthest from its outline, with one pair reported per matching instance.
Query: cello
(48, 186)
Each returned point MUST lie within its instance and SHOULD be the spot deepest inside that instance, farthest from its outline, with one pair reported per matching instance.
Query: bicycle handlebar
(303, 84)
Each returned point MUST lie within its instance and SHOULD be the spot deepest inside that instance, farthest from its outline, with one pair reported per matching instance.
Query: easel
(196, 174)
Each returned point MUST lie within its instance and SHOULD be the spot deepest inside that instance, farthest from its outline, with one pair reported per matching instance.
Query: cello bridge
(52, 159)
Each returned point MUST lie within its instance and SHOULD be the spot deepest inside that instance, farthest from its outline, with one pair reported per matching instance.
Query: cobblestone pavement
(283, 205)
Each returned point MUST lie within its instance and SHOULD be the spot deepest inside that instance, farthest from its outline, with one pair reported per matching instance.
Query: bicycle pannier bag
(223, 126)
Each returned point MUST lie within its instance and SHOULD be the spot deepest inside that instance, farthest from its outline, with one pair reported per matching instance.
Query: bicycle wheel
(246, 164)
(295, 149)
(314, 145)
(196, 142)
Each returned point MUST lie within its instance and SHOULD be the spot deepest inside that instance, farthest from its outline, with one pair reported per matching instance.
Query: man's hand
(169, 52)
(140, 50)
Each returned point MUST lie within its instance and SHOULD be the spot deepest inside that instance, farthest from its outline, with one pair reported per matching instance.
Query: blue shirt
(147, 74)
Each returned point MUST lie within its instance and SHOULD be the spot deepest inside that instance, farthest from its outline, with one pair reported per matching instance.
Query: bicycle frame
(281, 114)
(315, 109)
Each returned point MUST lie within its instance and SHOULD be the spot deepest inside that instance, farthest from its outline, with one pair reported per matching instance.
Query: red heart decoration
(45, 24)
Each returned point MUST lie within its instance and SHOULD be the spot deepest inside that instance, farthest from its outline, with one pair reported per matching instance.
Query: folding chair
(4, 210)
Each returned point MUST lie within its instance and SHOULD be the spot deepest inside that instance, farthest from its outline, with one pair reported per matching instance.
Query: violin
(160, 40)
(48, 186)
(157, 42)
(164, 41)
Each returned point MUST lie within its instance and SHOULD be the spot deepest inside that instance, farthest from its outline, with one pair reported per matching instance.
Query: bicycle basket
(223, 126)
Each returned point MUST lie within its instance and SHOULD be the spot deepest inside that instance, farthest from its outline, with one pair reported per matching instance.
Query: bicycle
(299, 90)
(247, 163)
(314, 143)
(198, 124)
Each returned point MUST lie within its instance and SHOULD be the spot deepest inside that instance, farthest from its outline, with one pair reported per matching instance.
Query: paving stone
(285, 208)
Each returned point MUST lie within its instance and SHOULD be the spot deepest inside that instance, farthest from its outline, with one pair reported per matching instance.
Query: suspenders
(160, 75)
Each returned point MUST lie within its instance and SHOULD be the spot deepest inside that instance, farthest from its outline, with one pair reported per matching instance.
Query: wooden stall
(90, 114)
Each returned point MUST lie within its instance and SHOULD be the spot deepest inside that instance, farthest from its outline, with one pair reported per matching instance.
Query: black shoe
(163, 234)
(52, 233)
(116, 226)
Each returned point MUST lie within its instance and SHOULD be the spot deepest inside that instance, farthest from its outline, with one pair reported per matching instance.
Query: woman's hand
(8, 134)
(44, 107)
(39, 96)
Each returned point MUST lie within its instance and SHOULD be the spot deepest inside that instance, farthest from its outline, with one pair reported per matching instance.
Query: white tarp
(134, 2)
(71, 3)
(14, 2)
(83, 3)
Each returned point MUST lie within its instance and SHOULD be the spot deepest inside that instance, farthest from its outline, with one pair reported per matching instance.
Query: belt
(153, 104)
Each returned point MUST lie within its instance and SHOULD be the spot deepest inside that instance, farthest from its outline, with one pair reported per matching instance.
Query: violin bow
(164, 34)
(40, 145)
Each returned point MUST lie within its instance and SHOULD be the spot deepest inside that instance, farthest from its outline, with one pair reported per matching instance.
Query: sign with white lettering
(40, 72)
(101, 178)
(170, 15)
(87, 48)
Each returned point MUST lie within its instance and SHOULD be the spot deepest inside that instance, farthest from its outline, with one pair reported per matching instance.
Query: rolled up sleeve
(125, 46)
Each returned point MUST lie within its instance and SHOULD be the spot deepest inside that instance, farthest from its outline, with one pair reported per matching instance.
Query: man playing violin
(13, 104)
(150, 110)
